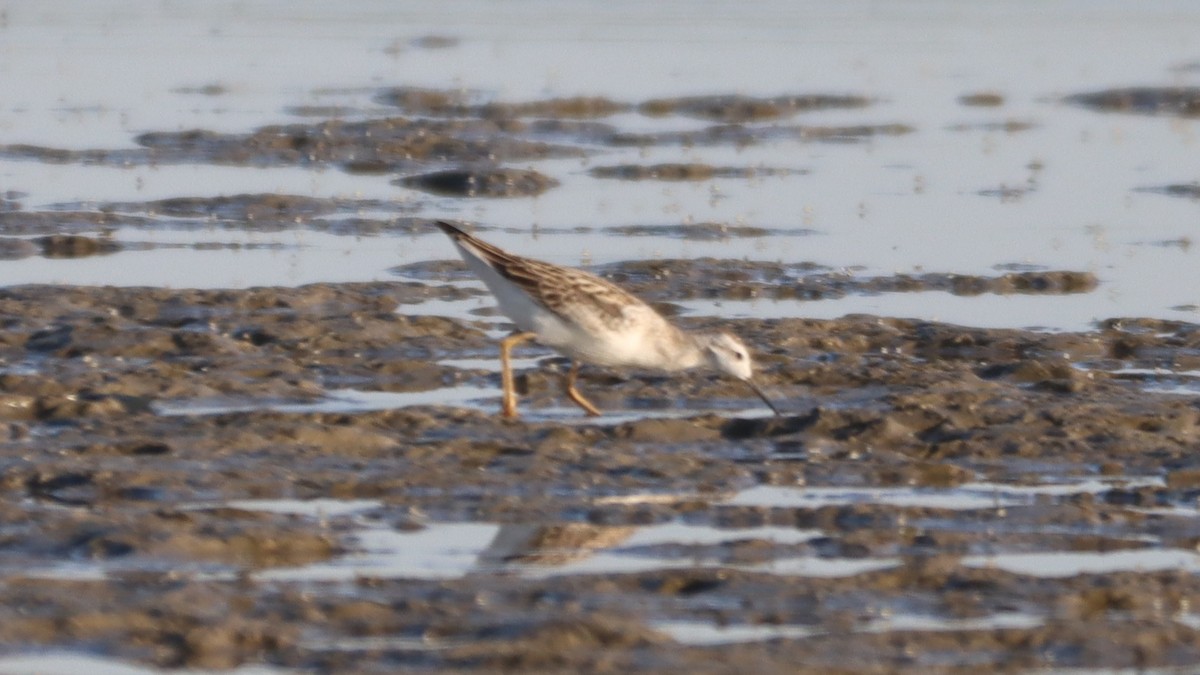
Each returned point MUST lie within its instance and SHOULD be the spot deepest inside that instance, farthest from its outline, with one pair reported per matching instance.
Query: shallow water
(68, 663)
(454, 550)
(962, 497)
(694, 633)
(891, 204)
(340, 400)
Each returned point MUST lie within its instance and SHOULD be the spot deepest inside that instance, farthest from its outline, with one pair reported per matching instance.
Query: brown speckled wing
(573, 295)
(578, 297)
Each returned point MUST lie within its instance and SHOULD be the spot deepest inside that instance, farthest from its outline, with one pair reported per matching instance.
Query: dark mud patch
(75, 246)
(193, 344)
(462, 129)
(886, 520)
(1008, 193)
(982, 99)
(58, 246)
(1172, 101)
(718, 108)
(686, 172)
(458, 103)
(743, 135)
(391, 141)
(434, 42)
(490, 182)
(264, 212)
(268, 206)
(68, 220)
(434, 270)
(12, 248)
(381, 144)
(1186, 190)
(1182, 243)
(1002, 126)
(704, 231)
(733, 109)
(403, 145)
(211, 89)
(710, 278)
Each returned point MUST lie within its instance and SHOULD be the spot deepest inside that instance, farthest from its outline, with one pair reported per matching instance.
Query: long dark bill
(763, 396)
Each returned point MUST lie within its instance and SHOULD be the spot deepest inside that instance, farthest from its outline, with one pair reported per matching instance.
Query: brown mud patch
(459, 103)
(662, 280)
(1187, 190)
(1007, 193)
(488, 182)
(1172, 101)
(730, 108)
(1009, 126)
(75, 246)
(686, 172)
(93, 476)
(982, 99)
(704, 231)
(712, 278)
(453, 130)
(83, 228)
(741, 135)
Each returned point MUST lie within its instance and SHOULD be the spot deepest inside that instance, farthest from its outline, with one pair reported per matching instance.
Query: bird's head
(727, 354)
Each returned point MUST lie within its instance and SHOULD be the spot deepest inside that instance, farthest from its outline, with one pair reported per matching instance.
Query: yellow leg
(576, 397)
(508, 406)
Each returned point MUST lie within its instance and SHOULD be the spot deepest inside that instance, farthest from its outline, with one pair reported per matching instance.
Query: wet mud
(1173, 101)
(731, 279)
(462, 128)
(481, 183)
(685, 172)
(982, 99)
(747, 109)
(1189, 190)
(127, 526)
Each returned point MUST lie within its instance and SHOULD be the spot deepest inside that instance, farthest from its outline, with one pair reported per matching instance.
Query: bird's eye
(739, 356)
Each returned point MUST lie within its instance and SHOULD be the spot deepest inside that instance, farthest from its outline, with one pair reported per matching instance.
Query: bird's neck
(682, 351)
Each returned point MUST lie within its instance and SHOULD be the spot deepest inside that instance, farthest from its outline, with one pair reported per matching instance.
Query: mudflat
(159, 447)
(313, 478)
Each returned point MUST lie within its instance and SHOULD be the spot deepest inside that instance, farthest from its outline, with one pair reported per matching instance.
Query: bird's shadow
(740, 428)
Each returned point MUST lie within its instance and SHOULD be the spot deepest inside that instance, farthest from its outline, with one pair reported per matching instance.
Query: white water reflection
(527, 549)
(1158, 380)
(1071, 563)
(1181, 389)
(701, 633)
(334, 401)
(438, 551)
(55, 662)
(472, 396)
(967, 496)
(454, 550)
(491, 363)
(312, 508)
